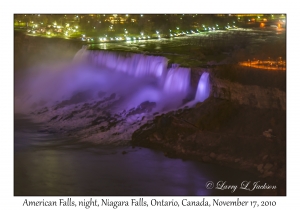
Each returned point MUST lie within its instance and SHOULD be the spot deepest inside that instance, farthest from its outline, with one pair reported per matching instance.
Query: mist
(135, 78)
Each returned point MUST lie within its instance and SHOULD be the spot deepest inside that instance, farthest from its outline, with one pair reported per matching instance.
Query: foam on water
(112, 91)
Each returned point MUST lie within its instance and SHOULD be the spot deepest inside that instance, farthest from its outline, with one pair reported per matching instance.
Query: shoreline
(180, 137)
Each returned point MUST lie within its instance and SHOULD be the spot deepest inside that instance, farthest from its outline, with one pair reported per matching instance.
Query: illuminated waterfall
(136, 78)
(177, 79)
(137, 65)
(203, 89)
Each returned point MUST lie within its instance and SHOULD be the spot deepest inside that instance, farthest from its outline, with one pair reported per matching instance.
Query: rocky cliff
(241, 126)
(252, 95)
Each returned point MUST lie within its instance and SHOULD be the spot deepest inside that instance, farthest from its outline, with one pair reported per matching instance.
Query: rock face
(222, 132)
(94, 118)
(252, 95)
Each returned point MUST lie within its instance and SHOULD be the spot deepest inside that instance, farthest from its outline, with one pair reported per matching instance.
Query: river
(50, 164)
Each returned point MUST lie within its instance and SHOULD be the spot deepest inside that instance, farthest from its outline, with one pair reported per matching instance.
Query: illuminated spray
(134, 77)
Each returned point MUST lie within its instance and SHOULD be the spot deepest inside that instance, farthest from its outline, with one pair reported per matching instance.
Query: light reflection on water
(60, 168)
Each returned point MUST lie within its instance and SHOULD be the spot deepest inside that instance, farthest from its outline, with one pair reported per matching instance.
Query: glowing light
(203, 89)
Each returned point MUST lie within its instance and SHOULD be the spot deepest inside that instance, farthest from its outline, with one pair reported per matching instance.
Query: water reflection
(62, 168)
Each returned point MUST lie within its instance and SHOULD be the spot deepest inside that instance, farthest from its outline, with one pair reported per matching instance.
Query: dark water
(47, 164)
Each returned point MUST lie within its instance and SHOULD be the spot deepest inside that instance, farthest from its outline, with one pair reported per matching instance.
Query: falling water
(118, 92)
(177, 80)
(137, 65)
(203, 89)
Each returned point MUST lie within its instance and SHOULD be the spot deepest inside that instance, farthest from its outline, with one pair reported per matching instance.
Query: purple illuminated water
(137, 65)
(203, 89)
(110, 91)
(177, 80)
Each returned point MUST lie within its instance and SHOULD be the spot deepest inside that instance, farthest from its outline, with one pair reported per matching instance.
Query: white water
(203, 89)
(136, 77)
(137, 65)
(177, 80)
(133, 78)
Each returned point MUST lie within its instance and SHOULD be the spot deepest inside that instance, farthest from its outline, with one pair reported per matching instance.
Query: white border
(8, 8)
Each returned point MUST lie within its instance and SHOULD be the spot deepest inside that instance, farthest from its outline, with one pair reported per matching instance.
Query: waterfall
(136, 78)
(203, 89)
(137, 65)
(177, 79)
(105, 95)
